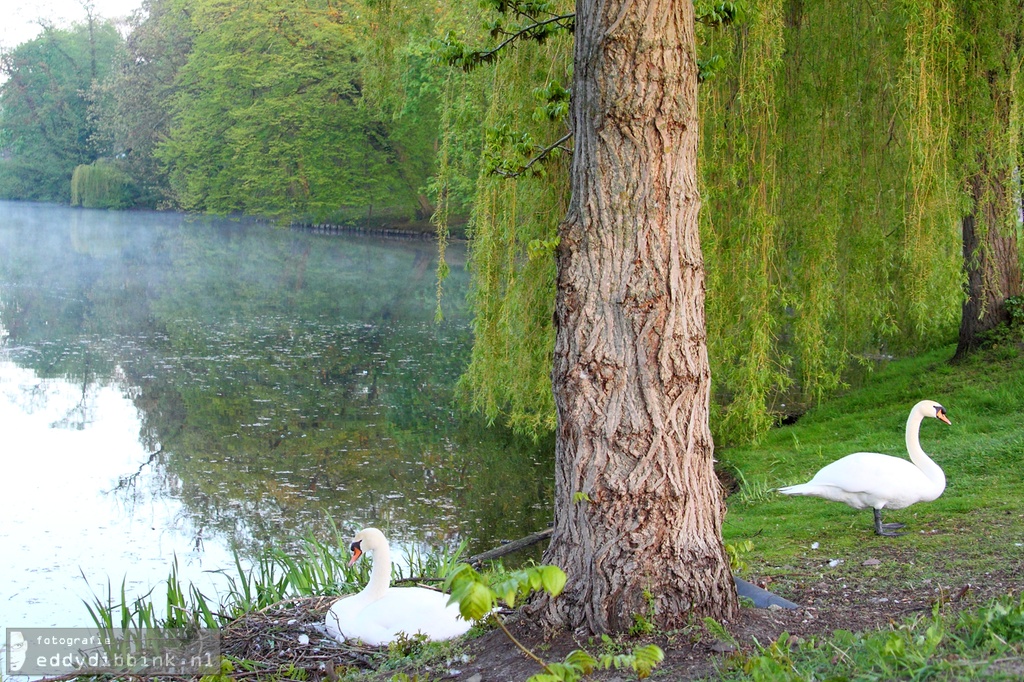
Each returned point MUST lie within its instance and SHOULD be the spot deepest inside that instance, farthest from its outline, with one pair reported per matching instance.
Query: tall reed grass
(317, 568)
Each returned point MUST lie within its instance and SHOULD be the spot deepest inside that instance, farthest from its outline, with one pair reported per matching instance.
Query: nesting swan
(870, 479)
(378, 613)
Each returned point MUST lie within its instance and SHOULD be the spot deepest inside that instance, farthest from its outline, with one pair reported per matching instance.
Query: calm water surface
(181, 387)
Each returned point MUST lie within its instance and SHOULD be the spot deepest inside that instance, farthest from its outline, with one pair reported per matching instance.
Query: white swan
(869, 479)
(378, 613)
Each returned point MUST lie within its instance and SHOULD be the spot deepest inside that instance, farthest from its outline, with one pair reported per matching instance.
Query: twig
(486, 55)
(518, 644)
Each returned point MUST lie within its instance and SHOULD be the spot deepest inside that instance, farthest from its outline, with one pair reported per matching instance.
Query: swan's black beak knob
(356, 553)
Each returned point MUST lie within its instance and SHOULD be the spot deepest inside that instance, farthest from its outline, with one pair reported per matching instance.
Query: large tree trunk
(638, 508)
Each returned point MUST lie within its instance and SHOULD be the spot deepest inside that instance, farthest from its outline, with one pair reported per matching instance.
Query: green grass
(982, 454)
(973, 528)
(985, 643)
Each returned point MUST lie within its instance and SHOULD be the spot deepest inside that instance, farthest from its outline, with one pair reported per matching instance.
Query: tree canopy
(833, 184)
(45, 126)
(842, 146)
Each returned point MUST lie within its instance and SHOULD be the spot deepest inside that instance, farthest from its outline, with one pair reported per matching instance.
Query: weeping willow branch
(542, 155)
(539, 29)
(455, 53)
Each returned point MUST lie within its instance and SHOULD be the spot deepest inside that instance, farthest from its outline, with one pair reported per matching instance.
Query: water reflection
(268, 380)
(65, 446)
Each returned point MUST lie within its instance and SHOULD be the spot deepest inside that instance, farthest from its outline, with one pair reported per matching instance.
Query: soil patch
(858, 595)
(828, 603)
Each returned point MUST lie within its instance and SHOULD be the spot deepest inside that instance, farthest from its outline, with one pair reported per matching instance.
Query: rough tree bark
(638, 508)
(991, 264)
(993, 55)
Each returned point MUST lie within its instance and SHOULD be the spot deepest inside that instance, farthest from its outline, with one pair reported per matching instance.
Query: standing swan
(380, 612)
(869, 479)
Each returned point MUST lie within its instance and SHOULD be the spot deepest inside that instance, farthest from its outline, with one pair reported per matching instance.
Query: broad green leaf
(553, 579)
(582, 660)
(475, 599)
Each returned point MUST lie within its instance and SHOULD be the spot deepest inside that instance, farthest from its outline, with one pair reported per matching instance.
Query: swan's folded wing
(864, 471)
(410, 610)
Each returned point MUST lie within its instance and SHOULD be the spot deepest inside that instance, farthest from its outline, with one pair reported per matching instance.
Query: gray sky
(19, 18)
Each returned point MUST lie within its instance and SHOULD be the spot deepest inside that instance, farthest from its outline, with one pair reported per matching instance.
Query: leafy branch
(477, 600)
(538, 22)
(717, 14)
(507, 171)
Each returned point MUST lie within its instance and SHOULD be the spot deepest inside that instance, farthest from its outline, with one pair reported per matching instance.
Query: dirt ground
(885, 588)
(855, 600)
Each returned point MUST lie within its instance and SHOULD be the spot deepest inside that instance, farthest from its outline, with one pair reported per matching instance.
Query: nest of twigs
(290, 635)
(283, 640)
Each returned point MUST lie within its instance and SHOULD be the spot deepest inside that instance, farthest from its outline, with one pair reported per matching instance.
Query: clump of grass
(317, 569)
(435, 563)
(752, 491)
(985, 643)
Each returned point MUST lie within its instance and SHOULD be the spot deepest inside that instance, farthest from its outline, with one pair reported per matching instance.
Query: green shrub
(101, 184)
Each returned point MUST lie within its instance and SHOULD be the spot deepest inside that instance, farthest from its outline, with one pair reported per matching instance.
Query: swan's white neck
(380, 574)
(917, 454)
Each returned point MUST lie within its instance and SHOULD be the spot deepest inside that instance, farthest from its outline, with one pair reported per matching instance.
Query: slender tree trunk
(638, 507)
(991, 264)
(992, 267)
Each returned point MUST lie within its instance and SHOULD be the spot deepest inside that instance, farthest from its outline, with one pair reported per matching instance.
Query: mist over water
(176, 387)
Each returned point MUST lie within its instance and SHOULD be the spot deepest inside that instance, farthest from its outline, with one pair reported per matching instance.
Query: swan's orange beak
(356, 553)
(941, 414)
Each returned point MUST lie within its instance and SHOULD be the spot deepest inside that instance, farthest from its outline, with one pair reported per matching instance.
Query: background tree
(990, 150)
(638, 508)
(271, 117)
(44, 108)
(265, 118)
(132, 107)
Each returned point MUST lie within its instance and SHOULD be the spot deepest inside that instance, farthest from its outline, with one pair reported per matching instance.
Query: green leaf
(468, 590)
(646, 658)
(558, 672)
(553, 579)
(582, 660)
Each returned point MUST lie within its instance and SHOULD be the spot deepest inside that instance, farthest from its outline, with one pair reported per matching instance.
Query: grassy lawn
(971, 539)
(982, 454)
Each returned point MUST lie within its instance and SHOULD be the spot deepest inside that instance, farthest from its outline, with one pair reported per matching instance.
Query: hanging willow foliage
(829, 208)
(933, 200)
(101, 184)
(513, 228)
(740, 220)
(857, 255)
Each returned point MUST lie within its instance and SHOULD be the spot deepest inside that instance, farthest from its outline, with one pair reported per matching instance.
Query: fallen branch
(510, 547)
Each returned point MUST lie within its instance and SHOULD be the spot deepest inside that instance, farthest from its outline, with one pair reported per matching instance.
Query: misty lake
(176, 388)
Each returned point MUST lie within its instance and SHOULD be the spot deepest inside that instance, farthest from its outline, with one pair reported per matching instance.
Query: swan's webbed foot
(886, 529)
